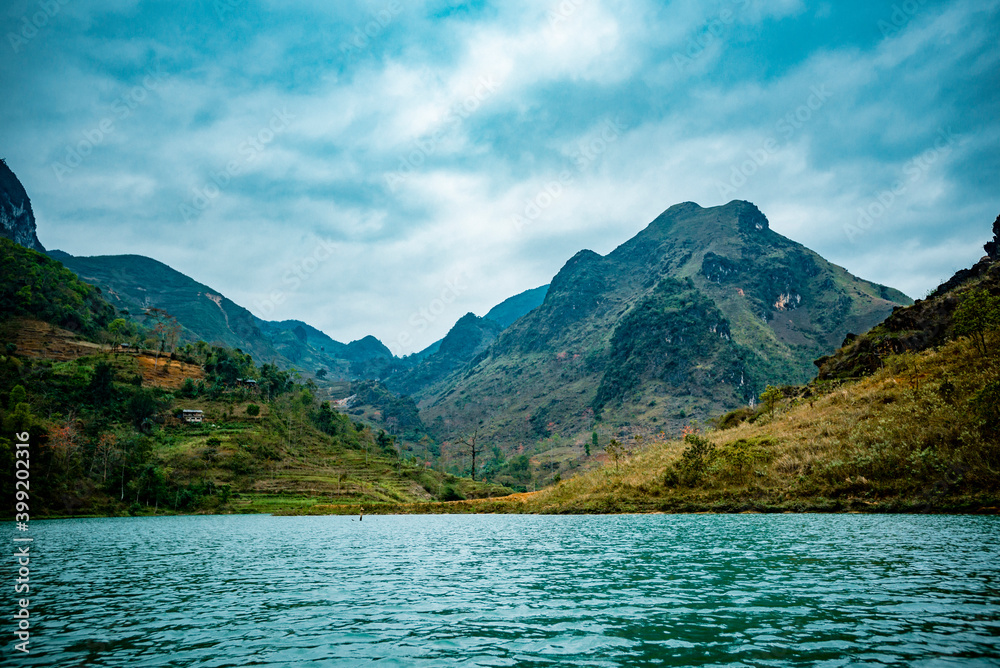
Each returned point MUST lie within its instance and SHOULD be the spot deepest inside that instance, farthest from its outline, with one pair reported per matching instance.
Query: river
(495, 590)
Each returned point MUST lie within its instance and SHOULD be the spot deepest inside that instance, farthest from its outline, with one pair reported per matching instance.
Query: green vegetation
(35, 286)
(977, 316)
(107, 426)
(918, 433)
(690, 318)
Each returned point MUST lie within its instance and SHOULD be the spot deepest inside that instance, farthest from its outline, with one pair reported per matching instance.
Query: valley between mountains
(705, 321)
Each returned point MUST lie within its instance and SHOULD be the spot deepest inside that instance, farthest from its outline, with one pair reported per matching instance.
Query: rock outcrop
(993, 247)
(17, 221)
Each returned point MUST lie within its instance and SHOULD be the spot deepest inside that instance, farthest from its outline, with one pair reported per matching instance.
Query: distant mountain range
(694, 315)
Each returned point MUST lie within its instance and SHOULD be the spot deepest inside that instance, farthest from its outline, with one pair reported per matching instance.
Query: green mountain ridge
(514, 308)
(134, 283)
(692, 316)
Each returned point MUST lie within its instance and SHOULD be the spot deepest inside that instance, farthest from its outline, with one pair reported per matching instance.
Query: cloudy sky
(382, 167)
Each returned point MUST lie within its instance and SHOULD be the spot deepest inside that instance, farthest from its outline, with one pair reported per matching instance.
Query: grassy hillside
(914, 426)
(105, 430)
(918, 435)
(694, 316)
(108, 439)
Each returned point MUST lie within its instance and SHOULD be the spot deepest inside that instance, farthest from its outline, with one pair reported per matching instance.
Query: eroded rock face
(993, 247)
(17, 222)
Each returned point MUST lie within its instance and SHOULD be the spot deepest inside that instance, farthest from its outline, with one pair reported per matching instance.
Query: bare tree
(470, 442)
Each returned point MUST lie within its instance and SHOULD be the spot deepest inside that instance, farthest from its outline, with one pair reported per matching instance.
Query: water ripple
(742, 590)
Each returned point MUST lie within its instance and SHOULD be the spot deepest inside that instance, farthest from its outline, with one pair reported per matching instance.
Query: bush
(736, 418)
(986, 404)
(242, 462)
(742, 456)
(253, 410)
(694, 460)
(449, 493)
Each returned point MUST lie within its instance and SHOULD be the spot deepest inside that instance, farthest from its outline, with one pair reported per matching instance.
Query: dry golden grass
(905, 438)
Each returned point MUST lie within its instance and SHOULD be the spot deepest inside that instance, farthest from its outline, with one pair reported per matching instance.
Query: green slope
(39, 287)
(509, 311)
(135, 283)
(693, 316)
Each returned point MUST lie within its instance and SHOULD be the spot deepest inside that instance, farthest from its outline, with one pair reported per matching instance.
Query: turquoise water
(692, 590)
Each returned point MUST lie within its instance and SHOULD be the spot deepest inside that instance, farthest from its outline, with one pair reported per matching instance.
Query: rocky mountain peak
(17, 221)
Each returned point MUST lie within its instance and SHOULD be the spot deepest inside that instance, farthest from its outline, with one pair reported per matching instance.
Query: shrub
(243, 462)
(694, 460)
(736, 418)
(253, 410)
(978, 314)
(449, 493)
(742, 456)
(986, 404)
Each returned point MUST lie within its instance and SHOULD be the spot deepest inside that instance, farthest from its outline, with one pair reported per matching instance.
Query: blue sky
(383, 167)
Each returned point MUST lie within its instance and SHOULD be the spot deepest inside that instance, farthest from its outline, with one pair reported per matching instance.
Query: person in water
(362, 518)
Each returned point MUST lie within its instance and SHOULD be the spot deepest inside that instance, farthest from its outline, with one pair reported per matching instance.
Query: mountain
(304, 345)
(512, 309)
(135, 283)
(694, 315)
(17, 221)
(504, 314)
(917, 432)
(469, 338)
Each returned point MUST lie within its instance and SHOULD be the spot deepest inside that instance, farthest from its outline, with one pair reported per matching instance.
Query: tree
(976, 316)
(101, 388)
(321, 373)
(106, 448)
(770, 398)
(120, 330)
(141, 409)
(166, 331)
(616, 451)
(253, 410)
(593, 441)
(470, 442)
(18, 395)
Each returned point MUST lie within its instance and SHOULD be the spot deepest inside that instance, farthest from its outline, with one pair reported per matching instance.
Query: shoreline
(521, 506)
